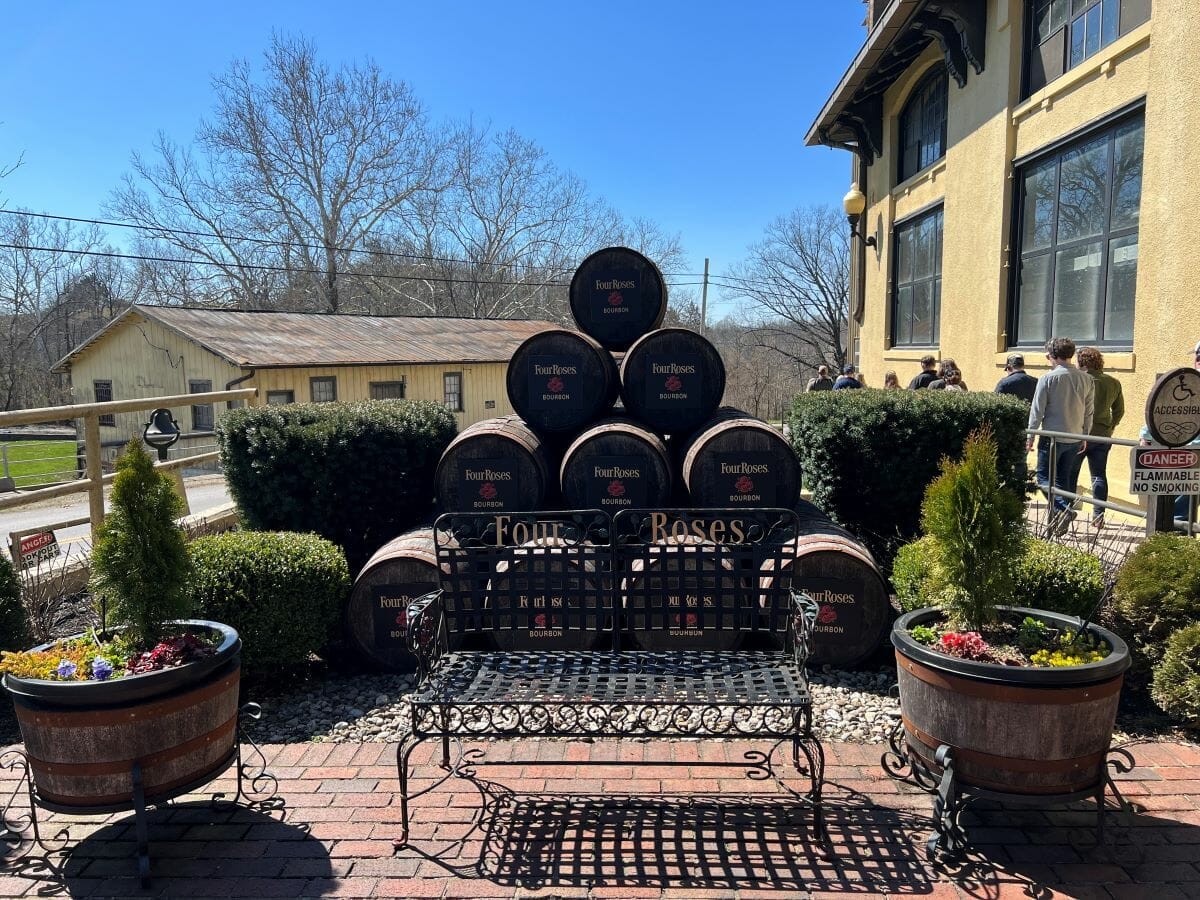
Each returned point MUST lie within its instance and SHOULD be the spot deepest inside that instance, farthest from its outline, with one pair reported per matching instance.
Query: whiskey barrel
(497, 465)
(672, 380)
(544, 620)
(831, 566)
(377, 612)
(560, 381)
(737, 460)
(617, 295)
(671, 599)
(616, 464)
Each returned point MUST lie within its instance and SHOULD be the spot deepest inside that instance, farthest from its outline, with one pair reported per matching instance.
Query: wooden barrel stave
(83, 756)
(611, 455)
(672, 380)
(560, 381)
(736, 460)
(497, 465)
(617, 295)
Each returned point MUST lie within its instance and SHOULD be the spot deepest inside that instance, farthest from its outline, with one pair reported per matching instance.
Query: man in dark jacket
(847, 380)
(1016, 382)
(927, 375)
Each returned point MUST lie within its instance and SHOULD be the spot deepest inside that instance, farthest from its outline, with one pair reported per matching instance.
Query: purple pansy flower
(101, 668)
(66, 669)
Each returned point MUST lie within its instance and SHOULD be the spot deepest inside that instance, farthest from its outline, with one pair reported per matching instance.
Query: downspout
(230, 385)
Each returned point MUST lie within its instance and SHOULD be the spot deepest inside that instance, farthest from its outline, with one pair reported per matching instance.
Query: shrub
(140, 560)
(978, 528)
(1158, 592)
(1046, 576)
(14, 632)
(282, 591)
(355, 473)
(868, 455)
(1176, 685)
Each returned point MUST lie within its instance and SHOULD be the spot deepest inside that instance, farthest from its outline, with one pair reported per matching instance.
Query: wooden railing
(90, 413)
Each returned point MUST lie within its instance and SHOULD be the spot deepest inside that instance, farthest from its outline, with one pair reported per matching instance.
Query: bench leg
(402, 754)
(814, 755)
(446, 752)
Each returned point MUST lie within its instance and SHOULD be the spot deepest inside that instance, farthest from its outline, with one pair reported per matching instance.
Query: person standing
(926, 375)
(890, 381)
(821, 383)
(1109, 409)
(847, 381)
(954, 381)
(1064, 401)
(948, 365)
(1017, 382)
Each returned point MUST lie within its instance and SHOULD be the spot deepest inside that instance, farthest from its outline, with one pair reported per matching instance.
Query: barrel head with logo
(617, 295)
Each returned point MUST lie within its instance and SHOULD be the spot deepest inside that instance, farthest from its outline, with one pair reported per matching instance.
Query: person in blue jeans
(1063, 401)
(1109, 410)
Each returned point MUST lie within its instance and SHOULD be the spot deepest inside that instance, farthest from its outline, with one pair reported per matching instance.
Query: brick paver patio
(696, 830)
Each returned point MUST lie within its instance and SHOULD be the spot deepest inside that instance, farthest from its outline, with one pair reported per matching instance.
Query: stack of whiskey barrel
(620, 414)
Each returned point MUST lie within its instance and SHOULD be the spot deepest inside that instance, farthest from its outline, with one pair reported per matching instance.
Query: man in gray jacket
(1063, 401)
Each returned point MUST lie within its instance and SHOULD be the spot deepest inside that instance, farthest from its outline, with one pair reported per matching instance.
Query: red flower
(615, 488)
(673, 383)
(744, 485)
(555, 385)
(966, 645)
(615, 298)
(488, 491)
(827, 614)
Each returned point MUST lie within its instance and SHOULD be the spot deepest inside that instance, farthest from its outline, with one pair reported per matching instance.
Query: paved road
(204, 492)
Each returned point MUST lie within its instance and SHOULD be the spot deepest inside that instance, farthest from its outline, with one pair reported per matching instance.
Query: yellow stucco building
(1027, 171)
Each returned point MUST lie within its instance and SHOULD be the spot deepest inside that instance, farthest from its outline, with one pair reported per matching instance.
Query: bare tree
(295, 171)
(795, 283)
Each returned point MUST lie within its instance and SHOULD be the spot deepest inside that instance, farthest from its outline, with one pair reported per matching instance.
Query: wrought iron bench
(579, 585)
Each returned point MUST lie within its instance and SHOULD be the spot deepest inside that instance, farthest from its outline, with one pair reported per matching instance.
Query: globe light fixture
(854, 203)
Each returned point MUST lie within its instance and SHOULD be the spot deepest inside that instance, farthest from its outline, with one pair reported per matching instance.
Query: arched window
(923, 125)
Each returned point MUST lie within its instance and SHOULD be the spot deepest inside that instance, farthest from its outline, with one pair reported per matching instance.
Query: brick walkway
(695, 830)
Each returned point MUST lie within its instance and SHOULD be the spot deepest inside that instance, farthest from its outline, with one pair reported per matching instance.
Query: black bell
(161, 431)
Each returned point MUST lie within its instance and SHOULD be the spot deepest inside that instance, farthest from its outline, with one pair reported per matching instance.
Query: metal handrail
(1090, 438)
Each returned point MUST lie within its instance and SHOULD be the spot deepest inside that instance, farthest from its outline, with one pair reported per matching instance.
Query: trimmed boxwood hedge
(14, 631)
(868, 455)
(1158, 592)
(282, 591)
(1176, 686)
(355, 473)
(1047, 576)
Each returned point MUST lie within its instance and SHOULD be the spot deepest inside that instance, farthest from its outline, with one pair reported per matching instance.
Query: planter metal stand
(20, 829)
(949, 839)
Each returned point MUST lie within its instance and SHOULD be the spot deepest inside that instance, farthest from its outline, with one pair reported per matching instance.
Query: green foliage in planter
(868, 455)
(140, 560)
(978, 526)
(1176, 685)
(14, 630)
(1158, 592)
(282, 591)
(357, 474)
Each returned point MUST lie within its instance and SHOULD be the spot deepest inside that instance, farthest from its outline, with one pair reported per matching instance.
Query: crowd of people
(1076, 397)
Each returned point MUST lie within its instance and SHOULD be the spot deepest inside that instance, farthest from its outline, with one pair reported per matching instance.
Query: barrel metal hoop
(1034, 696)
(152, 709)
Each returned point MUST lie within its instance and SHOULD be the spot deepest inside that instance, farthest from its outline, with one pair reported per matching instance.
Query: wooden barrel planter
(1016, 730)
(83, 738)
(672, 380)
(735, 459)
(376, 614)
(561, 381)
(616, 464)
(497, 465)
(617, 295)
(832, 567)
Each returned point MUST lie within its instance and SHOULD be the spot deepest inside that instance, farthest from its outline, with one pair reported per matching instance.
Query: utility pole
(704, 299)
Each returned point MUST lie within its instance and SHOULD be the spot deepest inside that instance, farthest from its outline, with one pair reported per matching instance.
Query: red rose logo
(692, 620)
(488, 491)
(540, 620)
(743, 485)
(615, 298)
(673, 383)
(615, 488)
(555, 385)
(401, 618)
(827, 614)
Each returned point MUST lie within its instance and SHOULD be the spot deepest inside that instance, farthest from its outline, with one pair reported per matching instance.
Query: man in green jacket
(1108, 410)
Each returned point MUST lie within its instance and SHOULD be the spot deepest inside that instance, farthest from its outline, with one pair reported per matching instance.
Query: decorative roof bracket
(959, 27)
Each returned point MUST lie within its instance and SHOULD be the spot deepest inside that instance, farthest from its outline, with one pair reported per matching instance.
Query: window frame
(1130, 14)
(199, 409)
(314, 380)
(447, 393)
(401, 382)
(1107, 127)
(108, 419)
(914, 219)
(937, 72)
(291, 397)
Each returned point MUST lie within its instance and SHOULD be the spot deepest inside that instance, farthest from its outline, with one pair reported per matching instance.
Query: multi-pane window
(1064, 33)
(323, 389)
(202, 414)
(452, 391)
(280, 398)
(1079, 240)
(102, 392)
(387, 390)
(923, 125)
(917, 298)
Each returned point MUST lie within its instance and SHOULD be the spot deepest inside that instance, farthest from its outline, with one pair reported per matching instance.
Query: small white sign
(1165, 470)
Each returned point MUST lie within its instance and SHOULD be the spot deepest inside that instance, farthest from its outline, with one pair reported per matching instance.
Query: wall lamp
(854, 203)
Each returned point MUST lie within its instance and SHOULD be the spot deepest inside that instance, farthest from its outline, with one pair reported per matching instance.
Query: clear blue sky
(692, 114)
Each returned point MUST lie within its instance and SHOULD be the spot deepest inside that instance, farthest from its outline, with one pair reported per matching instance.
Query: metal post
(95, 474)
(1160, 513)
(4, 459)
(704, 299)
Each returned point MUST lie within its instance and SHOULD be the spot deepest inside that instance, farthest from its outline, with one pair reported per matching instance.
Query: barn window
(102, 391)
(202, 413)
(387, 390)
(323, 389)
(452, 391)
(280, 398)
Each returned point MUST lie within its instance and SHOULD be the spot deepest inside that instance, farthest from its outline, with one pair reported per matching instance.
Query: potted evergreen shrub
(146, 703)
(1024, 698)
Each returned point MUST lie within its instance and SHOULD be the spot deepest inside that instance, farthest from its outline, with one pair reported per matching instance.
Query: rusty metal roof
(286, 339)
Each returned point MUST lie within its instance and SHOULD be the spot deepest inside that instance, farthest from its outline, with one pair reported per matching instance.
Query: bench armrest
(427, 630)
(804, 621)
